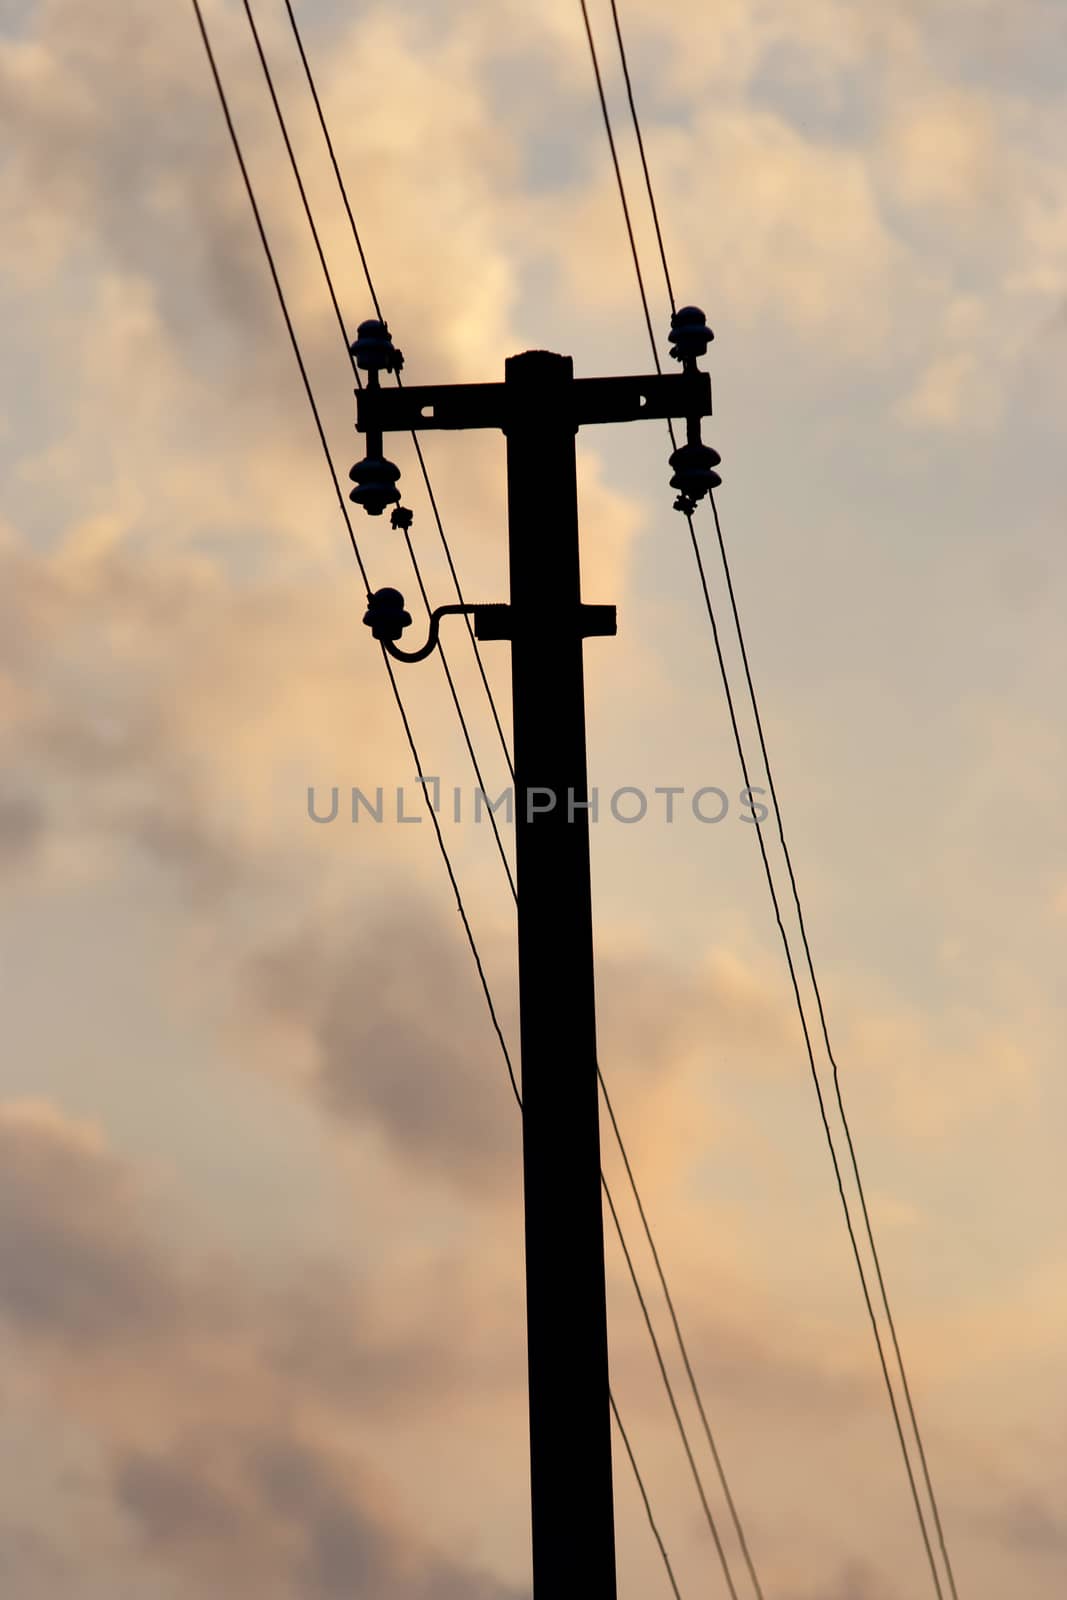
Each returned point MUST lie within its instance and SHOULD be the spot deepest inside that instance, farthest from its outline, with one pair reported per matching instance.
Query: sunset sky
(262, 1324)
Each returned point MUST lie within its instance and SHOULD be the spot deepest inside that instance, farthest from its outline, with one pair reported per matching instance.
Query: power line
(224, 104)
(414, 437)
(716, 1457)
(619, 183)
(455, 886)
(836, 1076)
(788, 860)
(708, 1516)
(299, 183)
(734, 1516)
(283, 126)
(235, 140)
(333, 158)
(644, 1497)
(641, 150)
(814, 1073)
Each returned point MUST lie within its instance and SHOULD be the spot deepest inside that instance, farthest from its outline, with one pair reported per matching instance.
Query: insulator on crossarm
(376, 481)
(386, 617)
(690, 334)
(694, 473)
(373, 348)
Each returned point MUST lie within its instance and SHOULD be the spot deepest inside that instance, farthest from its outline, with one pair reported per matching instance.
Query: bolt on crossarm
(539, 408)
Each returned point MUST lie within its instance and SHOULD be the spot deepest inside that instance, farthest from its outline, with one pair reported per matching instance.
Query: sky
(261, 1274)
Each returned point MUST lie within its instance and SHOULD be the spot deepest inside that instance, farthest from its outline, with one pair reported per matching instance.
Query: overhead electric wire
(333, 158)
(455, 886)
(284, 129)
(295, 26)
(278, 287)
(734, 1515)
(641, 151)
(868, 1228)
(744, 768)
(708, 1514)
(235, 140)
(644, 1496)
(785, 849)
(716, 1456)
(824, 1028)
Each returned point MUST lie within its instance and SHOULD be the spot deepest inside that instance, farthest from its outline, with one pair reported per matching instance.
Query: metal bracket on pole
(387, 619)
(492, 405)
(581, 621)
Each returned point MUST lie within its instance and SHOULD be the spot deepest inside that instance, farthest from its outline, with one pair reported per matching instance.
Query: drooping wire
(788, 858)
(234, 138)
(641, 150)
(814, 1073)
(767, 869)
(716, 1456)
(294, 165)
(333, 158)
(838, 1093)
(789, 866)
(670, 1392)
(452, 880)
(708, 1515)
(618, 178)
(224, 103)
(644, 1496)
(720, 1470)
(414, 437)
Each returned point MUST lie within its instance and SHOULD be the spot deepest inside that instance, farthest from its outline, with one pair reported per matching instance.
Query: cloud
(1029, 1522)
(290, 1518)
(932, 1076)
(393, 1032)
(73, 1263)
(942, 152)
(223, 1465)
(853, 1581)
(29, 1566)
(22, 825)
(182, 653)
(152, 701)
(402, 1039)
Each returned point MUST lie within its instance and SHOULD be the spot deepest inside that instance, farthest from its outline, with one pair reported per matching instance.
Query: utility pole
(539, 408)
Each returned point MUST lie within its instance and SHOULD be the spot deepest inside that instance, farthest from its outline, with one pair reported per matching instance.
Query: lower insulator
(386, 617)
(376, 481)
(694, 472)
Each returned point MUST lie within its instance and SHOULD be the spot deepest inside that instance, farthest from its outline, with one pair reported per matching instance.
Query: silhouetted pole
(540, 407)
(567, 1332)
